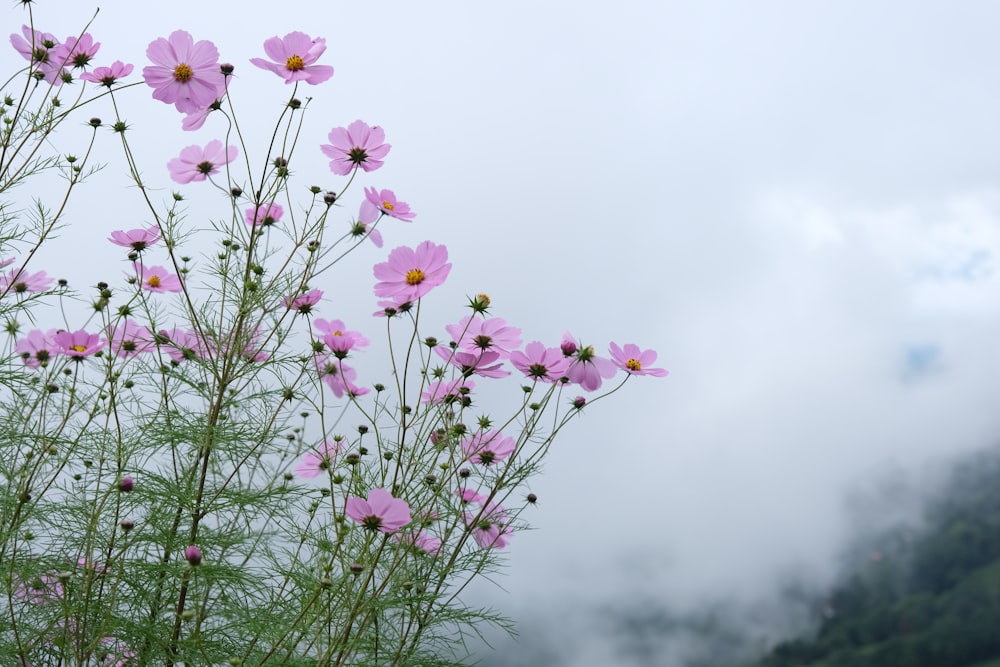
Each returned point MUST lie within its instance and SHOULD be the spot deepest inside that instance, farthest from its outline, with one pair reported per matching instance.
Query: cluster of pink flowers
(52, 60)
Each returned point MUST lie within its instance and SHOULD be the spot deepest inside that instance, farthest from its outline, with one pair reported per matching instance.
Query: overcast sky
(796, 203)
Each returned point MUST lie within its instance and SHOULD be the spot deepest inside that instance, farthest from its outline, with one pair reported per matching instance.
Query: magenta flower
(481, 335)
(20, 281)
(386, 202)
(634, 361)
(42, 589)
(586, 369)
(263, 215)
(39, 49)
(157, 279)
(108, 76)
(411, 273)
(197, 164)
(357, 145)
(76, 52)
(129, 340)
(380, 512)
(339, 377)
(316, 462)
(136, 239)
(194, 120)
(337, 337)
(185, 73)
(545, 364)
(79, 344)
(421, 541)
(446, 391)
(488, 447)
(467, 496)
(193, 555)
(485, 364)
(303, 303)
(490, 528)
(364, 225)
(37, 348)
(294, 56)
(180, 345)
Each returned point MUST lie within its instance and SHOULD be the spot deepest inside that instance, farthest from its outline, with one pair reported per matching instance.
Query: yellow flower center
(78, 348)
(183, 73)
(388, 206)
(153, 281)
(633, 365)
(414, 277)
(338, 333)
(294, 63)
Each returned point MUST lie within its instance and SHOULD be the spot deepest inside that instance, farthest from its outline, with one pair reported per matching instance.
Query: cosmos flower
(197, 164)
(476, 334)
(488, 448)
(386, 202)
(545, 364)
(136, 239)
(411, 273)
(635, 361)
(108, 76)
(264, 215)
(184, 73)
(356, 146)
(37, 348)
(321, 460)
(302, 303)
(489, 528)
(294, 57)
(379, 512)
(78, 344)
(157, 279)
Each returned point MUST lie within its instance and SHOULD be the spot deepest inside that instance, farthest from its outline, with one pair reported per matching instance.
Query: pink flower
(364, 225)
(79, 344)
(545, 364)
(194, 120)
(129, 340)
(467, 496)
(339, 377)
(185, 73)
(77, 52)
(337, 337)
(410, 274)
(480, 335)
(263, 215)
(380, 512)
(421, 540)
(484, 364)
(42, 589)
(488, 448)
(157, 279)
(181, 345)
(386, 202)
(303, 303)
(634, 361)
(39, 49)
(20, 281)
(446, 391)
(587, 369)
(293, 56)
(197, 164)
(489, 528)
(313, 463)
(118, 653)
(37, 348)
(357, 145)
(108, 76)
(136, 239)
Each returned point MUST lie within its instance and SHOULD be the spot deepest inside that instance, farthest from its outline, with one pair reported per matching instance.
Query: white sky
(796, 203)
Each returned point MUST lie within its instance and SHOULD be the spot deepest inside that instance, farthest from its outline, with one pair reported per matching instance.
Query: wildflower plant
(194, 471)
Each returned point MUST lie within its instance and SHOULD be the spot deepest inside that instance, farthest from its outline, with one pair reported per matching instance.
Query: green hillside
(927, 599)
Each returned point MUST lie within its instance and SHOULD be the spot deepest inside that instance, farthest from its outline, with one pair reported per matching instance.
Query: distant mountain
(920, 599)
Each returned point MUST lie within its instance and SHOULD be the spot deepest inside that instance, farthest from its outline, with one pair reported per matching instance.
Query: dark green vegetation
(928, 598)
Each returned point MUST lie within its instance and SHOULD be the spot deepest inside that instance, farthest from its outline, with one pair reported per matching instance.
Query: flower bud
(329, 198)
(193, 555)
(226, 68)
(127, 524)
(568, 348)
(126, 484)
(357, 568)
(579, 402)
(532, 498)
